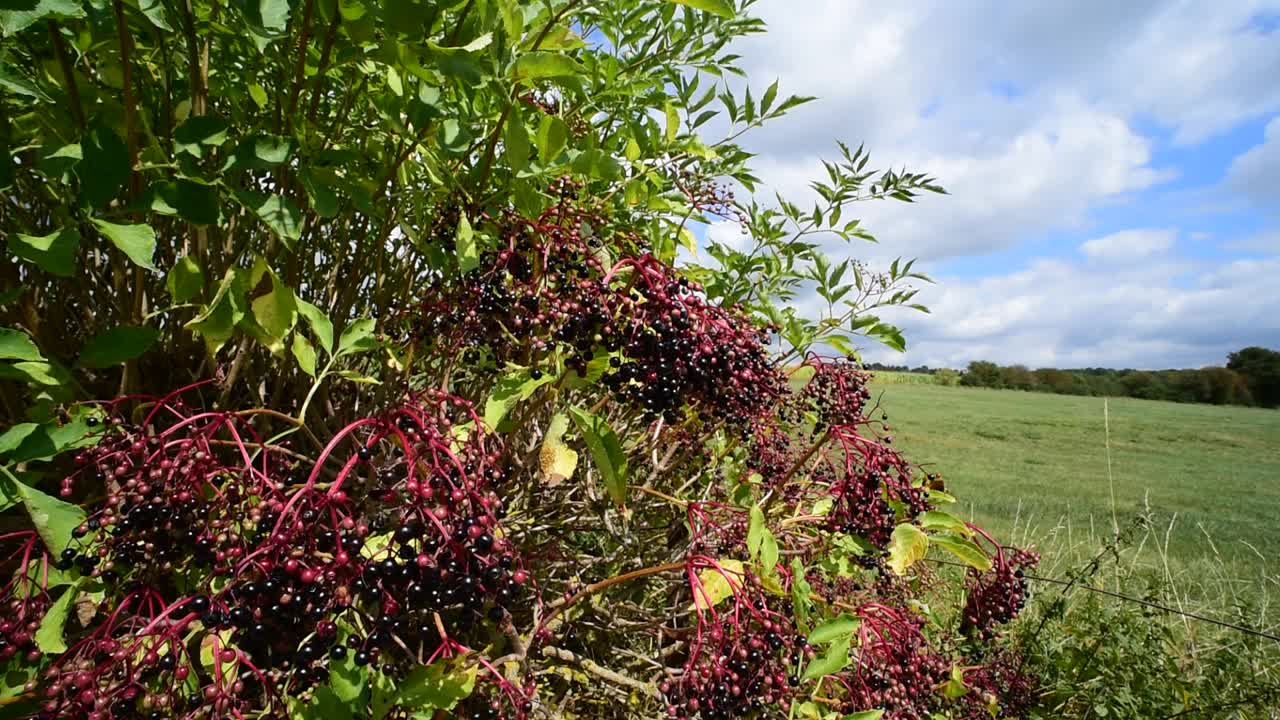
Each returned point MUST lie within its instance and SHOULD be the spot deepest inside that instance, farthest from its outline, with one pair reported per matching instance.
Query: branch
(64, 62)
(600, 671)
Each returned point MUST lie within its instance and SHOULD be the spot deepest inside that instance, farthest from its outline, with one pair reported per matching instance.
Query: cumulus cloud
(1163, 312)
(1037, 117)
(1256, 173)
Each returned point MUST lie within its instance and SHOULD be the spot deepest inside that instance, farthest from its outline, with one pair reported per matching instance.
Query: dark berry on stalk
(362, 658)
(365, 454)
(338, 652)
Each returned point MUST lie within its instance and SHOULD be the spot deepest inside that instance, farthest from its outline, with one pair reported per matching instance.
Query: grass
(1034, 467)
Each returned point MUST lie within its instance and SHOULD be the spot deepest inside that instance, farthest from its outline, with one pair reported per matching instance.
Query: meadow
(1041, 469)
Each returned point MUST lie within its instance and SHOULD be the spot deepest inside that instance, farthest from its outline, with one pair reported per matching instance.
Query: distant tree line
(1251, 377)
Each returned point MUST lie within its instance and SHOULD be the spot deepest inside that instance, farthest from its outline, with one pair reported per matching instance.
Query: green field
(1034, 467)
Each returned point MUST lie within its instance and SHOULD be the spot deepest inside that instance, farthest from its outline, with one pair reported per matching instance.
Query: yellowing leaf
(556, 460)
(907, 546)
(716, 584)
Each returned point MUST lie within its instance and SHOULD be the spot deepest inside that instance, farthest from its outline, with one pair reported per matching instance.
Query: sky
(1113, 168)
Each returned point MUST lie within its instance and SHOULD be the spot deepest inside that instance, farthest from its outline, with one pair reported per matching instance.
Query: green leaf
(955, 687)
(606, 452)
(319, 322)
(136, 241)
(278, 212)
(769, 552)
(468, 254)
(38, 373)
(218, 321)
(357, 337)
(866, 715)
(513, 388)
(18, 14)
(723, 8)
(154, 11)
(717, 584)
(556, 461)
(834, 629)
(348, 681)
(185, 281)
(552, 136)
(321, 196)
(54, 253)
(801, 591)
(259, 96)
(16, 345)
(835, 659)
(53, 519)
(441, 685)
(305, 354)
(192, 201)
(49, 635)
(907, 546)
(516, 141)
(540, 65)
(260, 152)
(755, 531)
(964, 549)
(14, 436)
(326, 705)
(940, 520)
(198, 132)
(105, 167)
(273, 312)
(673, 121)
(117, 346)
(14, 81)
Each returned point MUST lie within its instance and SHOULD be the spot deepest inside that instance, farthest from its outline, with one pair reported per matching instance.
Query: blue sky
(1114, 168)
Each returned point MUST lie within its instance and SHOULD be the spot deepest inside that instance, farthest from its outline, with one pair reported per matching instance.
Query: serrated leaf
(963, 549)
(273, 313)
(138, 242)
(465, 246)
(305, 354)
(907, 546)
(834, 629)
(199, 132)
(606, 452)
(185, 281)
(277, 211)
(552, 136)
(723, 8)
(54, 253)
(358, 337)
(717, 584)
(540, 65)
(52, 518)
(117, 346)
(441, 685)
(939, 520)
(16, 15)
(217, 323)
(17, 345)
(319, 322)
(49, 636)
(755, 530)
(835, 659)
(514, 387)
(556, 461)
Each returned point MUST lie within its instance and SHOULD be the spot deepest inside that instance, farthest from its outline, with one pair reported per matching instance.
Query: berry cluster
(24, 600)
(683, 350)
(894, 667)
(837, 392)
(997, 596)
(1000, 687)
(872, 478)
(391, 557)
(743, 657)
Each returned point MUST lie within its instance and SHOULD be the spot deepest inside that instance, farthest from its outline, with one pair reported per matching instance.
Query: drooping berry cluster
(997, 596)
(1000, 687)
(681, 350)
(744, 656)
(210, 538)
(837, 392)
(893, 666)
(24, 599)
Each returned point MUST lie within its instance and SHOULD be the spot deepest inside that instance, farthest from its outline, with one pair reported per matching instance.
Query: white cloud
(1129, 244)
(1055, 313)
(1256, 173)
